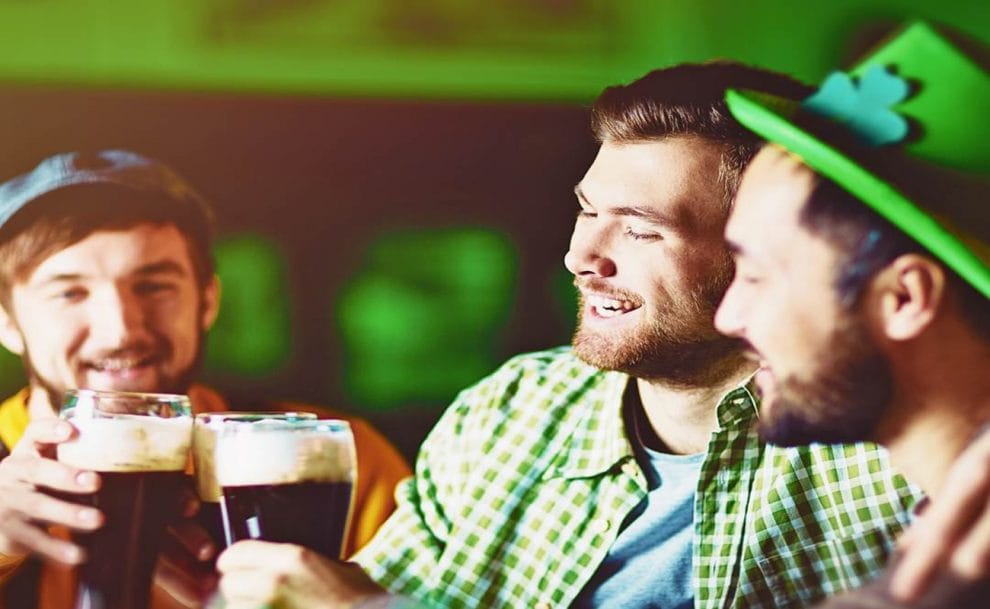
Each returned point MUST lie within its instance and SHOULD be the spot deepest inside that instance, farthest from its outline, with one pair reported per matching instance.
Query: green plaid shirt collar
(598, 441)
(521, 487)
(603, 428)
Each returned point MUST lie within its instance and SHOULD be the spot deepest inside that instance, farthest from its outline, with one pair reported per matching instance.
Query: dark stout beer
(121, 554)
(311, 514)
(205, 429)
(139, 444)
(287, 481)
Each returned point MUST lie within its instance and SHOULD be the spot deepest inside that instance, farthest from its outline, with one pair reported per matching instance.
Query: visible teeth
(609, 307)
(115, 365)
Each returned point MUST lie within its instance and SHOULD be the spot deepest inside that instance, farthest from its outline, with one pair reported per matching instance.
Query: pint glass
(139, 444)
(205, 429)
(287, 481)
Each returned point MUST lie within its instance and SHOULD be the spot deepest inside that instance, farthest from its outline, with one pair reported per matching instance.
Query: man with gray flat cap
(107, 282)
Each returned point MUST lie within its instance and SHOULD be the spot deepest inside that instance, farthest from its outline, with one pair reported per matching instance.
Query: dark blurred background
(392, 178)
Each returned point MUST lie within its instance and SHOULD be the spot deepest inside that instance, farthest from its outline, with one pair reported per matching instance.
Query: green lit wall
(503, 49)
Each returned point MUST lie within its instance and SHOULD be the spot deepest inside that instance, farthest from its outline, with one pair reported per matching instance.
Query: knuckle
(37, 504)
(12, 466)
(299, 556)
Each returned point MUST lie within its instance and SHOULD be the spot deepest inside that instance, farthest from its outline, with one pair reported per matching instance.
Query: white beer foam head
(205, 430)
(283, 455)
(204, 444)
(129, 444)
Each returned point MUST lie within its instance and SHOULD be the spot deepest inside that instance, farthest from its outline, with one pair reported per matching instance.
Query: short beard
(844, 401)
(679, 346)
(178, 384)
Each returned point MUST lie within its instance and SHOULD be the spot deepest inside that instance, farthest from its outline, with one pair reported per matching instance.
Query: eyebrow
(164, 267)
(645, 213)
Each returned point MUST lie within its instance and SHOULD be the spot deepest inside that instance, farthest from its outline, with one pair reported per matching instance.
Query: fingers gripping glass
(139, 444)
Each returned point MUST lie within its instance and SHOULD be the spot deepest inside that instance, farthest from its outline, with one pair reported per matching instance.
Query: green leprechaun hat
(906, 131)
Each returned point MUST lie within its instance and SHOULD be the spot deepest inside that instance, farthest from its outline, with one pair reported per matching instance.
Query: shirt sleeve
(408, 548)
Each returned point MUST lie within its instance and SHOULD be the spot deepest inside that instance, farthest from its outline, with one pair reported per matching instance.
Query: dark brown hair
(868, 243)
(689, 99)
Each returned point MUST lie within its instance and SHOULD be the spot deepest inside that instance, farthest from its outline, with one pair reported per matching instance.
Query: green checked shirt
(522, 486)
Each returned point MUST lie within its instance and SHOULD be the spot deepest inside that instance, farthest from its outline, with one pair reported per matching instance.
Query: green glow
(515, 49)
(11, 373)
(252, 334)
(422, 317)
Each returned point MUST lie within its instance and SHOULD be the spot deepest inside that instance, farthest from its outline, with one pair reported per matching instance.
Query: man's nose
(115, 318)
(728, 316)
(588, 254)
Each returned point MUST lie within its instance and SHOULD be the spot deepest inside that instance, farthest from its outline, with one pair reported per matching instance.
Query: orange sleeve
(380, 468)
(8, 565)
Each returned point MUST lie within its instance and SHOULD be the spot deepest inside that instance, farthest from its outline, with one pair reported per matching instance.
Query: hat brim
(772, 124)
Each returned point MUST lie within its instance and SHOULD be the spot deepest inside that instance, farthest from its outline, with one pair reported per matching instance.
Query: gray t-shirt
(649, 565)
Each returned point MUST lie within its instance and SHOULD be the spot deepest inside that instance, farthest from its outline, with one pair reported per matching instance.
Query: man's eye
(747, 278)
(642, 236)
(152, 287)
(71, 294)
(586, 213)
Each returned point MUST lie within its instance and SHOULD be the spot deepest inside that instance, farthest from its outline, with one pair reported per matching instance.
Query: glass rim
(298, 426)
(247, 414)
(86, 403)
(128, 394)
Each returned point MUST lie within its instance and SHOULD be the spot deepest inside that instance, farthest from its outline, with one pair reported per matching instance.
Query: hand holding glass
(139, 444)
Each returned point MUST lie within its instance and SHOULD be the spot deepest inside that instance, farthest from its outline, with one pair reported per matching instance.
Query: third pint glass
(287, 481)
(204, 442)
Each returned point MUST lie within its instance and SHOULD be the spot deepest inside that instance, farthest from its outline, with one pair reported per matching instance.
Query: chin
(785, 425)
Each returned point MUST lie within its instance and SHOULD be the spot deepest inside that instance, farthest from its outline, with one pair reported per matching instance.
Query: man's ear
(211, 302)
(10, 334)
(908, 293)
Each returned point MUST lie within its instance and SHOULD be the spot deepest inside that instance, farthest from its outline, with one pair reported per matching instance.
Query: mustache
(600, 286)
(137, 351)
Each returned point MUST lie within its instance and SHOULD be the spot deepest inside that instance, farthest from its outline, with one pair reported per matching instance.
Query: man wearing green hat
(862, 286)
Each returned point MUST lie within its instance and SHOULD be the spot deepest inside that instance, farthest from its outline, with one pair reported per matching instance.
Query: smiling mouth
(120, 365)
(606, 307)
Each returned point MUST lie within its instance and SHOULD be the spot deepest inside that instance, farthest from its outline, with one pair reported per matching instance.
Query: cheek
(765, 313)
(694, 267)
(177, 321)
(794, 330)
(53, 335)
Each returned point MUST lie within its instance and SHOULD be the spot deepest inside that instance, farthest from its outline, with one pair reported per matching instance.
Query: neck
(933, 418)
(683, 418)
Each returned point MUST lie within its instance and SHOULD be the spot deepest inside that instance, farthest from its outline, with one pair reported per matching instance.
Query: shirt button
(603, 525)
(543, 606)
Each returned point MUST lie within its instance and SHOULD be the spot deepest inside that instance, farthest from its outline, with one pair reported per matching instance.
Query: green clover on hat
(913, 112)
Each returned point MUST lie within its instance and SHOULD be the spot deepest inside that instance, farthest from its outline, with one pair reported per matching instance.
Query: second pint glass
(287, 481)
